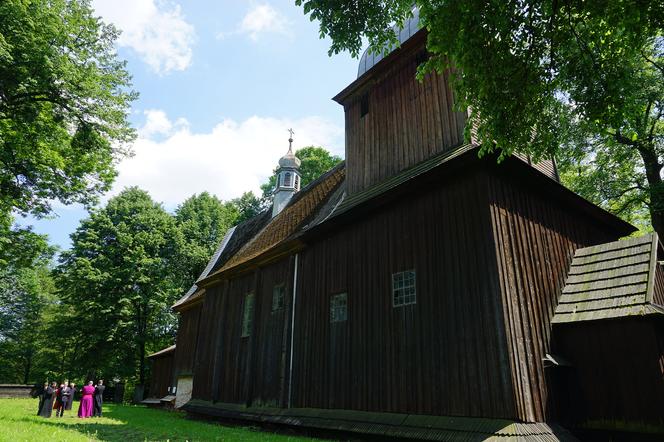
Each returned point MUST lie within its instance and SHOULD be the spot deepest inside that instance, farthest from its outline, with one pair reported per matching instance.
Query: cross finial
(290, 140)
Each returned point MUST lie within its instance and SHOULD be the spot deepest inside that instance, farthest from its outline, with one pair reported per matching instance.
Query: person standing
(85, 408)
(40, 394)
(72, 391)
(47, 404)
(99, 397)
(63, 399)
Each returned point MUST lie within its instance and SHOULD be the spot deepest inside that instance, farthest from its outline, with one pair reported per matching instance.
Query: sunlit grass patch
(120, 423)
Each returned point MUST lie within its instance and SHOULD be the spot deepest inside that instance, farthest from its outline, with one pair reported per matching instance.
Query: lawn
(19, 422)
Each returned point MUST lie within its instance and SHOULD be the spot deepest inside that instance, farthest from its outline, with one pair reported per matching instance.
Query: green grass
(19, 422)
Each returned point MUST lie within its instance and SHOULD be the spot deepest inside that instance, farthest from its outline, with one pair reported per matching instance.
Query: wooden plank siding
(161, 376)
(407, 122)
(185, 351)
(658, 294)
(535, 239)
(428, 358)
(617, 374)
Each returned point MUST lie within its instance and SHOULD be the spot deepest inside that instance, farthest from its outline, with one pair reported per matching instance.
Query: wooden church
(419, 291)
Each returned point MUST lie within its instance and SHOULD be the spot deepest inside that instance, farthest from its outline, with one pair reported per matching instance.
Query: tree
(246, 206)
(519, 66)
(203, 220)
(64, 103)
(315, 162)
(118, 280)
(25, 295)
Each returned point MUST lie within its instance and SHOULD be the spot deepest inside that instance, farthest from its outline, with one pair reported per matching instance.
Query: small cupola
(288, 178)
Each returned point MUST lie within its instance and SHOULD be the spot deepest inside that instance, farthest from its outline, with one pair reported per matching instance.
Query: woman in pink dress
(85, 409)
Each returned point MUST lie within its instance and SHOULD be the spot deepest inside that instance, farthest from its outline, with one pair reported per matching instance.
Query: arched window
(287, 179)
(278, 180)
(297, 182)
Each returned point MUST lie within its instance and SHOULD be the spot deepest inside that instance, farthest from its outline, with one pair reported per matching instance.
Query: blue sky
(220, 83)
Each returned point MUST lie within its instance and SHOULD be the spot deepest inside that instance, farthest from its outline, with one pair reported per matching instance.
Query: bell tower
(288, 178)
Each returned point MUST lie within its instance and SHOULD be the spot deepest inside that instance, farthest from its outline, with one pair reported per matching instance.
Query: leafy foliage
(203, 220)
(64, 100)
(25, 296)
(521, 67)
(118, 280)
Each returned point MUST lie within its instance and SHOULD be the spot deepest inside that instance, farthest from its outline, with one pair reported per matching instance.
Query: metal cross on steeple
(290, 140)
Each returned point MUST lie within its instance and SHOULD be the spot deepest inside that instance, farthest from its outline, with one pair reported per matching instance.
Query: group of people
(61, 399)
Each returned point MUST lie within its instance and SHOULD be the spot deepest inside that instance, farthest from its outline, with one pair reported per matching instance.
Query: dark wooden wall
(658, 295)
(252, 369)
(444, 355)
(208, 344)
(535, 239)
(618, 370)
(161, 376)
(187, 338)
(407, 121)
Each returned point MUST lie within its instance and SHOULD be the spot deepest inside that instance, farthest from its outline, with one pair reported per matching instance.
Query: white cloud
(233, 158)
(157, 123)
(155, 29)
(261, 19)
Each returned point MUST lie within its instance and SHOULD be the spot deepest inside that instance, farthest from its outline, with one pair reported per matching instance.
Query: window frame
(401, 288)
(282, 287)
(336, 307)
(248, 315)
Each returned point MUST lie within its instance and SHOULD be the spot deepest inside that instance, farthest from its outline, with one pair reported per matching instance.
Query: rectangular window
(278, 293)
(338, 307)
(403, 288)
(248, 316)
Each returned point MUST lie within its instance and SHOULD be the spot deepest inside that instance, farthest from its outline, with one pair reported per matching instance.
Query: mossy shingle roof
(610, 280)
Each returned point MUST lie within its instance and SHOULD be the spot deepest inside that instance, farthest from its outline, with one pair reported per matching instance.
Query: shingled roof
(303, 207)
(233, 240)
(611, 280)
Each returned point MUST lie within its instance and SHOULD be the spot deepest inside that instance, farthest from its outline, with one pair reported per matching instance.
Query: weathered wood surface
(411, 427)
(187, 340)
(407, 122)
(610, 280)
(161, 375)
(425, 358)
(535, 237)
(617, 373)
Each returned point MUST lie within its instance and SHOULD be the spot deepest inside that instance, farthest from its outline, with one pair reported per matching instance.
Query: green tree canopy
(203, 220)
(118, 280)
(521, 68)
(64, 102)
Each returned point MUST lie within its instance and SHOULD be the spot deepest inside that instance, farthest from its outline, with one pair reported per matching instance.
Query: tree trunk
(653, 170)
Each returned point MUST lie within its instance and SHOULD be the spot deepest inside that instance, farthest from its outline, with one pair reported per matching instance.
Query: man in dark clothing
(47, 404)
(40, 395)
(63, 400)
(98, 398)
(72, 392)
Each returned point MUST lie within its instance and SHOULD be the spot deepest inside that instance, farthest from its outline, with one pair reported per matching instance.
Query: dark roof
(243, 233)
(610, 280)
(394, 181)
(429, 171)
(410, 26)
(233, 240)
(303, 207)
(163, 352)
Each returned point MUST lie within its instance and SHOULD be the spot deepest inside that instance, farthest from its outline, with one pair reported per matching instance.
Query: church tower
(288, 178)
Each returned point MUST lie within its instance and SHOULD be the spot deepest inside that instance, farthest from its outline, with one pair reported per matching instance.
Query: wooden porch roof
(611, 280)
